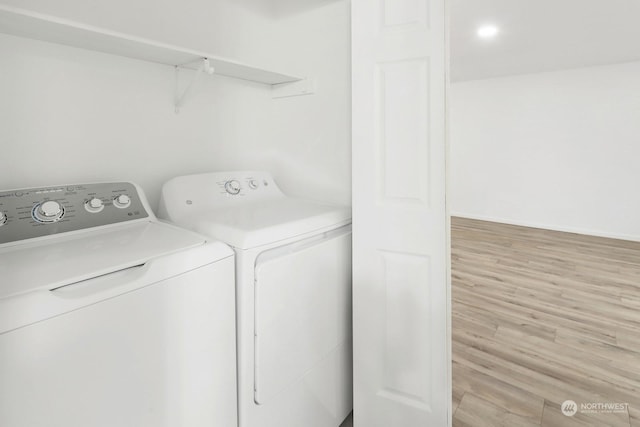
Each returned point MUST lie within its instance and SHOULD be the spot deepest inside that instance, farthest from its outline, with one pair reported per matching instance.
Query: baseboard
(597, 233)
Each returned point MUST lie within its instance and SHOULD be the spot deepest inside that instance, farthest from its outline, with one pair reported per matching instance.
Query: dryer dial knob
(232, 187)
(122, 201)
(3, 218)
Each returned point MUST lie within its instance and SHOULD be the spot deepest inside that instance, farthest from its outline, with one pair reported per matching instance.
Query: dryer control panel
(243, 184)
(37, 212)
(184, 195)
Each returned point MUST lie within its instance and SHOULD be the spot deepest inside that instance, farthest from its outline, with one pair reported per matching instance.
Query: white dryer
(109, 317)
(293, 273)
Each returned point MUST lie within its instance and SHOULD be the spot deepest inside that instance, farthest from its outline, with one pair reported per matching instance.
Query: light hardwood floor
(540, 317)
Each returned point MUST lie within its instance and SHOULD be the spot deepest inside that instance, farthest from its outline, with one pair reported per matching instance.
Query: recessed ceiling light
(488, 31)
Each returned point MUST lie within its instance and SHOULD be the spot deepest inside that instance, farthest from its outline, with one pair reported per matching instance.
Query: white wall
(310, 136)
(76, 116)
(70, 115)
(554, 150)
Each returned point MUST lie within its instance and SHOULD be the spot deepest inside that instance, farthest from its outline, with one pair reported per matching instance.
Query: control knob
(3, 218)
(232, 187)
(122, 201)
(253, 184)
(49, 211)
(94, 205)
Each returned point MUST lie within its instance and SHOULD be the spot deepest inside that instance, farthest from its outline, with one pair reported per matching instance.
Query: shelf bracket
(180, 98)
(297, 88)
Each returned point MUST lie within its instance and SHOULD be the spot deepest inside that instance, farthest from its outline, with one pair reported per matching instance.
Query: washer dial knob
(94, 205)
(253, 184)
(49, 211)
(122, 201)
(3, 218)
(232, 187)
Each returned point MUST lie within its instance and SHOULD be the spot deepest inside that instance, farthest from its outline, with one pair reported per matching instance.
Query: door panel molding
(400, 233)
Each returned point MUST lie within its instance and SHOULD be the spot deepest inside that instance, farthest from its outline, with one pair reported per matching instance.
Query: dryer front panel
(303, 317)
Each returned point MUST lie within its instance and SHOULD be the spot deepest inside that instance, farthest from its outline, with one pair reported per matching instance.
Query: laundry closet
(288, 98)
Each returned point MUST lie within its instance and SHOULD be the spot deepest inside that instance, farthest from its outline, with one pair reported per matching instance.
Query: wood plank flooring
(541, 317)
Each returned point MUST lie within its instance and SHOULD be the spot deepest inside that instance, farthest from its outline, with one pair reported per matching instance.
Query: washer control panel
(37, 212)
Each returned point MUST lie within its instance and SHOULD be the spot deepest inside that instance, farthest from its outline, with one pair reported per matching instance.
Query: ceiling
(541, 35)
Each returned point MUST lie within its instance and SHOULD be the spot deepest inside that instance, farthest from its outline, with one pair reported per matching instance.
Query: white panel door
(400, 228)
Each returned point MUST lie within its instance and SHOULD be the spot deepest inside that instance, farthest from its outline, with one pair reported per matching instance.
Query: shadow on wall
(281, 8)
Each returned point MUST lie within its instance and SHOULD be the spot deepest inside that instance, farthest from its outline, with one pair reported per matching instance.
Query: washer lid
(66, 259)
(268, 221)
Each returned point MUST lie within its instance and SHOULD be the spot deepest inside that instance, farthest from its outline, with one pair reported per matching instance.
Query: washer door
(161, 355)
(302, 312)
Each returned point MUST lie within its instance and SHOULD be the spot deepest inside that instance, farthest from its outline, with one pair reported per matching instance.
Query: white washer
(293, 275)
(109, 317)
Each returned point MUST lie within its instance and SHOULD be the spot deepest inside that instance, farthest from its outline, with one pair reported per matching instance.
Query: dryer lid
(66, 259)
(268, 221)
